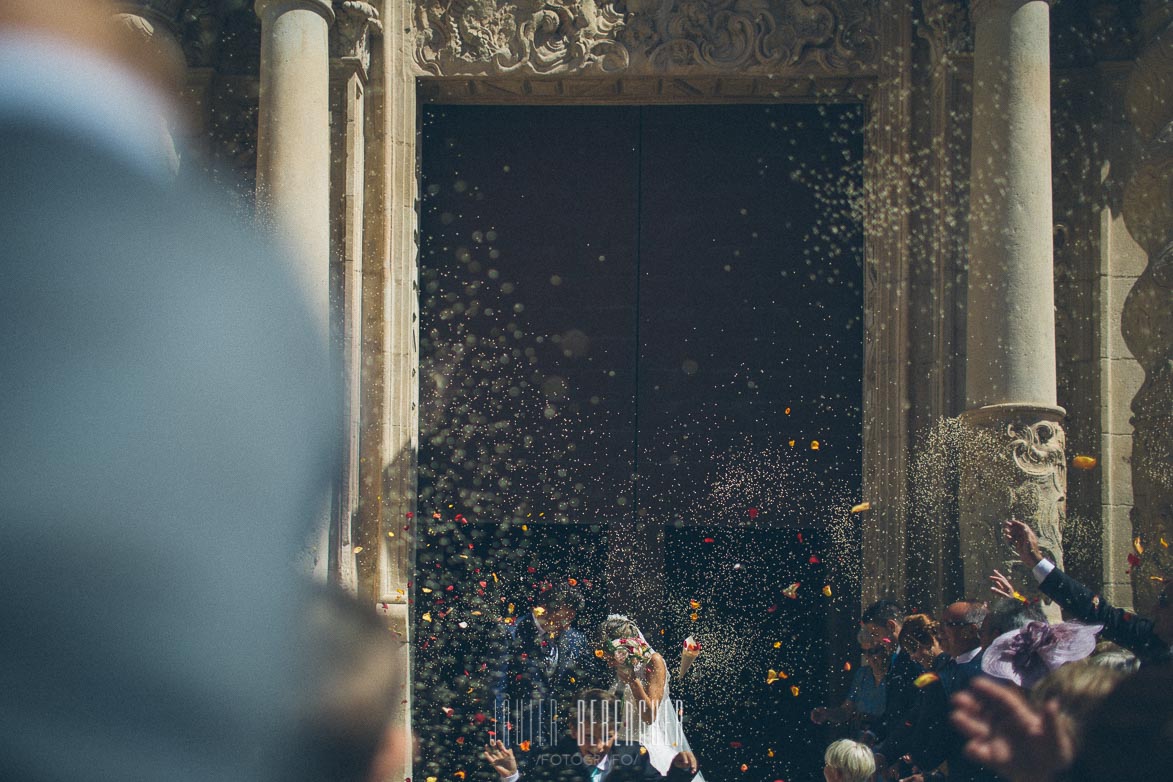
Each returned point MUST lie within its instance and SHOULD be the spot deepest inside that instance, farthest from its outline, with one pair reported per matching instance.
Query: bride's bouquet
(631, 652)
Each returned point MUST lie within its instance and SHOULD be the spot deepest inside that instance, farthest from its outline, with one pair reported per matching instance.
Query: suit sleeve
(1122, 627)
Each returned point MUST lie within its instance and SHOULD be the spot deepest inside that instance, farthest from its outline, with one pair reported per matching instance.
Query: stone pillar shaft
(293, 141)
(293, 168)
(1010, 343)
(1013, 461)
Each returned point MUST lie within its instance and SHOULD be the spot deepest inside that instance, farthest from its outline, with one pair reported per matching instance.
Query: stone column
(293, 141)
(1147, 318)
(293, 166)
(1013, 461)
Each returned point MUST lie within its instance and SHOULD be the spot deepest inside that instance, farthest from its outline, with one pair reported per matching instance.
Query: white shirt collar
(964, 658)
(51, 82)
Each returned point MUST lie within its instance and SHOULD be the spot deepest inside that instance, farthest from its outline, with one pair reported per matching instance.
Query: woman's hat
(1026, 655)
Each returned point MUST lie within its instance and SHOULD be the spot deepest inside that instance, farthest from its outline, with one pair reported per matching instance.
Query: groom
(588, 752)
(546, 662)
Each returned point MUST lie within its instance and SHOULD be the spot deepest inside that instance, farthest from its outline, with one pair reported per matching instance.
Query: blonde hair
(1079, 688)
(853, 760)
(617, 627)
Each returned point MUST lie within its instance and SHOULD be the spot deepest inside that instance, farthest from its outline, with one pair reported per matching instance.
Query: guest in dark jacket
(882, 622)
(588, 752)
(1149, 639)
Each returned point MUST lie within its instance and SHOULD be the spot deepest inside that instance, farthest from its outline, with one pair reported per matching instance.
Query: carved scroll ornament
(1039, 451)
(559, 37)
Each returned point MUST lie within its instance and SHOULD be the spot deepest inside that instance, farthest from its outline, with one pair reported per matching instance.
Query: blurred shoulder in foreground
(164, 437)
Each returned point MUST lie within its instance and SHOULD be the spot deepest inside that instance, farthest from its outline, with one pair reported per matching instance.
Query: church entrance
(641, 357)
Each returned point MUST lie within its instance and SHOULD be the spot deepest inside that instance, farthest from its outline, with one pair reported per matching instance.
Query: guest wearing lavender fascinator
(1026, 655)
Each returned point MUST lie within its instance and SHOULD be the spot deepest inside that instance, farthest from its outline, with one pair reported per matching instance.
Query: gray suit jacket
(165, 410)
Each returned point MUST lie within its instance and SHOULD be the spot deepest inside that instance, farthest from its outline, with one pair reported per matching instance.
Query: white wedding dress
(664, 738)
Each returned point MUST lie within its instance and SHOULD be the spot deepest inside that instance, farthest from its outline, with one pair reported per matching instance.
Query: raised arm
(1123, 627)
(649, 696)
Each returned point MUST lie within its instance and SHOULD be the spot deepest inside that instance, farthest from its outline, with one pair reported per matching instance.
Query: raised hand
(685, 760)
(1003, 587)
(501, 759)
(1006, 734)
(1024, 541)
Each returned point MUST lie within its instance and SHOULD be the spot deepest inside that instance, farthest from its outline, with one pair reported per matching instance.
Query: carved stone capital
(201, 25)
(350, 37)
(946, 28)
(979, 8)
(156, 36)
(650, 37)
(273, 8)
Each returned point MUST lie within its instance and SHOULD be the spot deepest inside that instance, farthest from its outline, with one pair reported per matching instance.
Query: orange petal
(925, 679)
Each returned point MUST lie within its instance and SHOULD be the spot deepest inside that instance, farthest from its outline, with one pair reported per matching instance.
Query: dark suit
(539, 675)
(627, 763)
(1121, 627)
(164, 444)
(935, 739)
(900, 698)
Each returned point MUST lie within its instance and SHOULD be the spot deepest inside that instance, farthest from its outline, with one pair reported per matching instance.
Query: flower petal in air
(925, 679)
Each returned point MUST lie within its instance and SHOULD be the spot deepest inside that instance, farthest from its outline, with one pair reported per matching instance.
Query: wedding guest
(166, 433)
(1078, 689)
(848, 761)
(1115, 657)
(347, 732)
(918, 637)
(882, 621)
(1007, 613)
(863, 706)
(1026, 655)
(958, 629)
(1125, 737)
(589, 751)
(1148, 638)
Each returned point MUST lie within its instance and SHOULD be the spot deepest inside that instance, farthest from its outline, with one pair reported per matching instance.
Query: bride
(643, 683)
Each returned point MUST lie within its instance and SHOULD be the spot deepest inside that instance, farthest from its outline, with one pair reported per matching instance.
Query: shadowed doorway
(641, 355)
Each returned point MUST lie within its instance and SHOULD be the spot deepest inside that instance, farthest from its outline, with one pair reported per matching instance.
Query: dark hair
(919, 632)
(561, 596)
(1008, 614)
(595, 695)
(591, 701)
(881, 612)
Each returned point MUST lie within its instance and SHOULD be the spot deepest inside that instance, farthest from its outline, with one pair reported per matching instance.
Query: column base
(1013, 464)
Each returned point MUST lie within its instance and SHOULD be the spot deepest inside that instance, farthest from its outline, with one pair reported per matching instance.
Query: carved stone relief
(350, 35)
(557, 37)
(946, 27)
(1010, 470)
